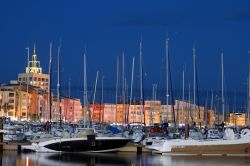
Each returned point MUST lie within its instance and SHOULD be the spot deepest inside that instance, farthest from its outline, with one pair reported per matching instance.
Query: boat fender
(92, 143)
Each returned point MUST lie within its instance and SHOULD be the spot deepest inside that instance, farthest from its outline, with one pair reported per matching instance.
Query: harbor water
(12, 158)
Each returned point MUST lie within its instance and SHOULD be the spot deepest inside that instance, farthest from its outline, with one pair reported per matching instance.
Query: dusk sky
(108, 28)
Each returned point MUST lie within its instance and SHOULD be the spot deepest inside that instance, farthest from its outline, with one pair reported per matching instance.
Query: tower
(33, 75)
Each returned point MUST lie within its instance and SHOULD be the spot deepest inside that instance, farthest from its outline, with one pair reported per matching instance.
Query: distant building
(20, 103)
(166, 113)
(71, 109)
(96, 111)
(8, 101)
(238, 119)
(109, 113)
(152, 109)
(210, 118)
(135, 114)
(34, 75)
(122, 113)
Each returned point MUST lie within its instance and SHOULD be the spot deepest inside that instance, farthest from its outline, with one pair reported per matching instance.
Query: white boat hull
(219, 146)
(99, 144)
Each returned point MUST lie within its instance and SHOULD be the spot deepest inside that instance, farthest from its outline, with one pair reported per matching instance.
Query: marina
(124, 83)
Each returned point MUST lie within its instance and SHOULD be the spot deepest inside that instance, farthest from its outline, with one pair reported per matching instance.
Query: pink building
(71, 109)
(97, 112)
(136, 114)
(110, 113)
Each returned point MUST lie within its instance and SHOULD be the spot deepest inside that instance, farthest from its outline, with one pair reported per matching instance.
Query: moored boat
(204, 146)
(88, 143)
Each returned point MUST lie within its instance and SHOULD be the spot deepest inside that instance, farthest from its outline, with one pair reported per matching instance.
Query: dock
(12, 146)
(138, 148)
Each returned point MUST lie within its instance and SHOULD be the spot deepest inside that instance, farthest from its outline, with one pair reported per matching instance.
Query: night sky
(109, 28)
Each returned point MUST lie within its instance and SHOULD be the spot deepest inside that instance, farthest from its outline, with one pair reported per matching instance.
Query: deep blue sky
(107, 28)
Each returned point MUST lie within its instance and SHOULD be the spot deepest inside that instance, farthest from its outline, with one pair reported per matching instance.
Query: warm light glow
(27, 161)
(13, 118)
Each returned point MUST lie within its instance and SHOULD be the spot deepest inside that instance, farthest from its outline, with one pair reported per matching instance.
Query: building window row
(24, 79)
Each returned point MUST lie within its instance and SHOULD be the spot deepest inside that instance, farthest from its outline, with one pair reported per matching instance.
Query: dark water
(117, 159)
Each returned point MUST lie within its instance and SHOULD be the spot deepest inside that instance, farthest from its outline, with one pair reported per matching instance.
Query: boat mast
(27, 81)
(183, 92)
(101, 106)
(172, 94)
(189, 102)
(206, 110)
(212, 101)
(117, 83)
(141, 84)
(154, 86)
(123, 93)
(248, 106)
(194, 61)
(131, 86)
(167, 67)
(222, 89)
(59, 89)
(85, 92)
(69, 86)
(50, 82)
(93, 110)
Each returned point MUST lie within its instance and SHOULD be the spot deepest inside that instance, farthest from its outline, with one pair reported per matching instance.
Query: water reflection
(9, 158)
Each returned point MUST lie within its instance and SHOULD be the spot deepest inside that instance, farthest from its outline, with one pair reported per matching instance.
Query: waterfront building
(34, 75)
(8, 101)
(166, 113)
(210, 118)
(152, 109)
(18, 103)
(71, 109)
(122, 112)
(238, 119)
(135, 114)
(96, 111)
(187, 112)
(109, 113)
(182, 112)
(200, 114)
(37, 103)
